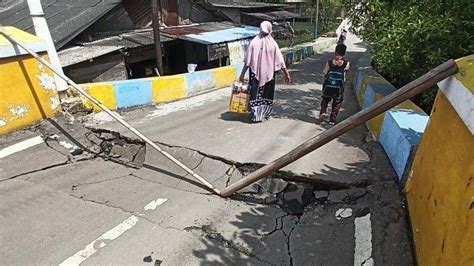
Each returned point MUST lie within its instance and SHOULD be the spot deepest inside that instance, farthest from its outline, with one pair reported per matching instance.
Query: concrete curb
(146, 91)
(399, 130)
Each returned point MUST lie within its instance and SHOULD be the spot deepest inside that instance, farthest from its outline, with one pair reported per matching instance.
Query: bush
(409, 38)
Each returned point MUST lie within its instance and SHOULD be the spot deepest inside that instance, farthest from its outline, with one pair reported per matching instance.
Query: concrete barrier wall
(440, 188)
(399, 130)
(138, 92)
(146, 91)
(27, 88)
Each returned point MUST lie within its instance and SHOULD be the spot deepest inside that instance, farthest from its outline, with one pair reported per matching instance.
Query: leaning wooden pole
(406, 92)
(108, 111)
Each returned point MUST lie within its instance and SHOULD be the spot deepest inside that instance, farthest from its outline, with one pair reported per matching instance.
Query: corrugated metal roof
(242, 4)
(130, 39)
(107, 45)
(79, 54)
(197, 14)
(274, 15)
(210, 33)
(140, 13)
(66, 18)
(197, 28)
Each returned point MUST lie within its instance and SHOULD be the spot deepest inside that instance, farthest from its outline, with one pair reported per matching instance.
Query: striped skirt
(261, 99)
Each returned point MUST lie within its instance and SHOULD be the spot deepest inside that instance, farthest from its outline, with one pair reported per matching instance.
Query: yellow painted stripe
(225, 76)
(375, 124)
(170, 88)
(104, 93)
(20, 35)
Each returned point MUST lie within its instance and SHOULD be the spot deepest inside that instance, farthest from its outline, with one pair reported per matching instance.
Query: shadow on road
(236, 117)
(316, 237)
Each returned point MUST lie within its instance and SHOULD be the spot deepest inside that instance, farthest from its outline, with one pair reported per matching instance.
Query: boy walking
(333, 84)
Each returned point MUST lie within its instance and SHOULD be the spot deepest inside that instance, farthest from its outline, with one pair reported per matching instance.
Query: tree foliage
(329, 12)
(409, 38)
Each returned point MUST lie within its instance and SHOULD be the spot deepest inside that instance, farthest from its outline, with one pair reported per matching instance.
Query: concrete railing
(440, 187)
(27, 88)
(399, 130)
(137, 92)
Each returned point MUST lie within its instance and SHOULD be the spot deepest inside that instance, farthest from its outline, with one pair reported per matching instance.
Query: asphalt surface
(85, 204)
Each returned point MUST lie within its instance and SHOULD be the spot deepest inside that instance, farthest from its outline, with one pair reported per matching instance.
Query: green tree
(329, 12)
(408, 38)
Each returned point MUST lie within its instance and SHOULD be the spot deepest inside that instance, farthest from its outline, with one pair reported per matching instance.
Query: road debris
(343, 213)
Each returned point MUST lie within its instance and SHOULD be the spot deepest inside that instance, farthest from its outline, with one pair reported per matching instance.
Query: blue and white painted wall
(399, 130)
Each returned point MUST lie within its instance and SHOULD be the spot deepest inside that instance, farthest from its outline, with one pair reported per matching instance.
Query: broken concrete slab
(215, 171)
(192, 158)
(321, 194)
(296, 197)
(123, 148)
(272, 199)
(317, 239)
(337, 196)
(346, 195)
(289, 222)
(272, 185)
(273, 249)
(322, 182)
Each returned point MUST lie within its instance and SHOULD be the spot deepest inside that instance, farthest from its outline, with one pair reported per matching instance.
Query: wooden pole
(109, 112)
(406, 92)
(155, 18)
(316, 20)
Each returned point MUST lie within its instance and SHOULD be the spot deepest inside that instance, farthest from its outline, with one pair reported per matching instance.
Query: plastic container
(191, 68)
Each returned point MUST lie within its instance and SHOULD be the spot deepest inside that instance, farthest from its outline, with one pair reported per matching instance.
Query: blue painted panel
(369, 97)
(376, 88)
(401, 131)
(396, 146)
(304, 52)
(291, 57)
(411, 123)
(226, 35)
(199, 82)
(132, 93)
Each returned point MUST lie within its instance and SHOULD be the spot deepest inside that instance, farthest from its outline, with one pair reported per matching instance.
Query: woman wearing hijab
(263, 58)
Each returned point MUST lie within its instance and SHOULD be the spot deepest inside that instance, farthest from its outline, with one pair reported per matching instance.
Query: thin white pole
(109, 112)
(316, 20)
(42, 31)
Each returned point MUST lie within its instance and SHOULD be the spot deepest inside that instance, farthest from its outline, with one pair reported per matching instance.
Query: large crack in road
(283, 190)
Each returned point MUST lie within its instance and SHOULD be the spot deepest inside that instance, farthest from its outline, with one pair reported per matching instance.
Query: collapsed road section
(286, 218)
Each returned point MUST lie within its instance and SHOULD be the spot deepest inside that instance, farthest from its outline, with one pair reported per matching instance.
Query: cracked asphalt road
(94, 208)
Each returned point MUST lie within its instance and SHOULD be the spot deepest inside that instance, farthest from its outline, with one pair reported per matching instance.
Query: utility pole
(156, 17)
(317, 18)
(42, 31)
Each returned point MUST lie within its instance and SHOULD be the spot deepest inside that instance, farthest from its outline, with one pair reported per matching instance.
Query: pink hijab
(264, 56)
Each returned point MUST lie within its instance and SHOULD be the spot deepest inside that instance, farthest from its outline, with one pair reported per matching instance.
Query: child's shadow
(236, 117)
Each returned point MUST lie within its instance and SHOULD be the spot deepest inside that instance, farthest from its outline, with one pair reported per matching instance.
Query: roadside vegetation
(409, 38)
